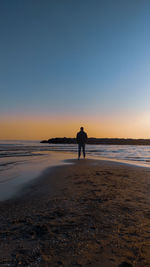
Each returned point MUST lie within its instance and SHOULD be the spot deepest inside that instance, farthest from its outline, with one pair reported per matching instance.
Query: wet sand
(91, 213)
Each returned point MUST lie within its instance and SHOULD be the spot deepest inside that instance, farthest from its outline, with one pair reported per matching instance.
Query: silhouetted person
(81, 140)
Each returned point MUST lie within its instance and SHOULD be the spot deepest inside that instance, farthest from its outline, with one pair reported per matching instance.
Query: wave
(33, 149)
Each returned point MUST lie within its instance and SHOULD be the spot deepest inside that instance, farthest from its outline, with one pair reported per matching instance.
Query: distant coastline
(99, 141)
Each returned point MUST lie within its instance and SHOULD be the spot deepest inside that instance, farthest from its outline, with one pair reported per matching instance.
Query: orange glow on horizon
(38, 128)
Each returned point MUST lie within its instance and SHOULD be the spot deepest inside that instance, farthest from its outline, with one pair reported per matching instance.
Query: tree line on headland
(99, 141)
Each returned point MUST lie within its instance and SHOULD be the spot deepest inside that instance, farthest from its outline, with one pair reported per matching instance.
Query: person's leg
(83, 147)
(79, 150)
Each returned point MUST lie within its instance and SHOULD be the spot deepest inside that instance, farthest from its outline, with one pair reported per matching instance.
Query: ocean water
(21, 161)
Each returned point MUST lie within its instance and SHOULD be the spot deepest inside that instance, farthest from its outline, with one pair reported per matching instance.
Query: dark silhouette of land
(99, 141)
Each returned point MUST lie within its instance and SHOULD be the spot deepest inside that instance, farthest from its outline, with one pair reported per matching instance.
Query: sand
(91, 213)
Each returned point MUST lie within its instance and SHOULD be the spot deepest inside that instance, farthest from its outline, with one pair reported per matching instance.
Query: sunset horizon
(42, 128)
(38, 128)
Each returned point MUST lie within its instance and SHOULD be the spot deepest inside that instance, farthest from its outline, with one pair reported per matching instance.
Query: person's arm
(86, 137)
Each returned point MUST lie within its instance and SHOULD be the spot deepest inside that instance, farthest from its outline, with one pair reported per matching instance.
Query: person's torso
(81, 137)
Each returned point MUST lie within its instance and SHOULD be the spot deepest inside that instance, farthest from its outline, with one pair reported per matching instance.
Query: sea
(22, 161)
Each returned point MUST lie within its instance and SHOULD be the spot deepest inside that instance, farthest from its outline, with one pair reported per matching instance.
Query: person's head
(82, 129)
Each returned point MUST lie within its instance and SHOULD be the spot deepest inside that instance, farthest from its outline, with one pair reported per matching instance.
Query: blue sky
(74, 56)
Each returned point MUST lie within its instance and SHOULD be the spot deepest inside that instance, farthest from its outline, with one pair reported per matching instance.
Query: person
(81, 140)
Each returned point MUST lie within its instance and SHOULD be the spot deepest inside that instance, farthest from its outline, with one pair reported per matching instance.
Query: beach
(87, 213)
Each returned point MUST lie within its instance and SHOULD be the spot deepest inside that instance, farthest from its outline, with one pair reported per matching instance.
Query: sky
(71, 63)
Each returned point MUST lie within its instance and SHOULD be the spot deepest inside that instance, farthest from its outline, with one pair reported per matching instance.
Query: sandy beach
(89, 213)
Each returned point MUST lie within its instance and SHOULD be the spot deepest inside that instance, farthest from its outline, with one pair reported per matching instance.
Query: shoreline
(13, 183)
(121, 161)
(15, 188)
(90, 213)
